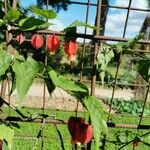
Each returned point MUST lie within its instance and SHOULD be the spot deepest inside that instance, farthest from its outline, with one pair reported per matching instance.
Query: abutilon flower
(80, 131)
(71, 48)
(53, 43)
(37, 41)
(20, 38)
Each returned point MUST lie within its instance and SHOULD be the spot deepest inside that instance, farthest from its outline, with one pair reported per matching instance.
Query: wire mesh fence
(90, 44)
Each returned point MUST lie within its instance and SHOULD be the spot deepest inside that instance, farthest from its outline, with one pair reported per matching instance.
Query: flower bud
(53, 43)
(71, 48)
(37, 41)
(20, 38)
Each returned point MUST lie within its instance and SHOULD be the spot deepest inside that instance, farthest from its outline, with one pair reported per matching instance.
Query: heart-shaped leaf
(25, 72)
(5, 60)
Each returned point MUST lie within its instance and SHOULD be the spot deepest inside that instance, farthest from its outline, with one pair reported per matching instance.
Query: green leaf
(5, 61)
(12, 15)
(131, 43)
(25, 72)
(104, 56)
(96, 113)
(32, 23)
(48, 14)
(79, 23)
(7, 133)
(127, 46)
(49, 83)
(143, 67)
(67, 85)
(1, 22)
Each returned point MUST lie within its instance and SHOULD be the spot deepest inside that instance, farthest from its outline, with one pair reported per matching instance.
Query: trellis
(96, 38)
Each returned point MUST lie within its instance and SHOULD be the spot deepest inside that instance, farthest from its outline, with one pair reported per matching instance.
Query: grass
(52, 140)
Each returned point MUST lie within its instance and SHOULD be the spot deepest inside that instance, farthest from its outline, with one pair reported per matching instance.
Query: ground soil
(62, 100)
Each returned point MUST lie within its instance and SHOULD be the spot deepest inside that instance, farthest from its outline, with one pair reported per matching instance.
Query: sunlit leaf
(72, 87)
(104, 56)
(25, 72)
(79, 23)
(12, 15)
(7, 134)
(32, 23)
(48, 14)
(1, 22)
(96, 113)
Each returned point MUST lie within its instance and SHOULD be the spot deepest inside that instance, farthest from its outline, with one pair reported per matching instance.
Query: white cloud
(116, 19)
(135, 3)
(58, 25)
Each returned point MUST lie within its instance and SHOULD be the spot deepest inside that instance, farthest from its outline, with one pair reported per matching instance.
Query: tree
(56, 5)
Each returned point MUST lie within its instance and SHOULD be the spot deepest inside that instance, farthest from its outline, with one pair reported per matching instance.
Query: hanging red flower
(37, 41)
(20, 38)
(53, 43)
(71, 48)
(80, 131)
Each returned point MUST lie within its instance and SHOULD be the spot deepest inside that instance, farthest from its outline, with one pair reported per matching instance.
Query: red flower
(79, 130)
(71, 48)
(1, 144)
(20, 38)
(53, 43)
(37, 41)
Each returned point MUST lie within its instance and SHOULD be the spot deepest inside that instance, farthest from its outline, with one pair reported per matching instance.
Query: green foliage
(77, 89)
(32, 23)
(143, 67)
(5, 61)
(79, 23)
(12, 15)
(25, 72)
(96, 113)
(48, 14)
(7, 134)
(128, 77)
(1, 22)
(104, 56)
(130, 107)
(127, 47)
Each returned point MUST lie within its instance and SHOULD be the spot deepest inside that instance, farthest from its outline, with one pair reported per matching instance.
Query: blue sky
(115, 17)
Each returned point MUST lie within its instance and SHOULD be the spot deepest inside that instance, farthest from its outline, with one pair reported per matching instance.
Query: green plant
(23, 70)
(128, 106)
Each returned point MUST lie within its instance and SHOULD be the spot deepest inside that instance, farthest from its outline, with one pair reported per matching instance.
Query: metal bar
(146, 96)
(129, 126)
(44, 88)
(87, 36)
(84, 44)
(127, 19)
(109, 6)
(119, 61)
(64, 122)
(96, 46)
